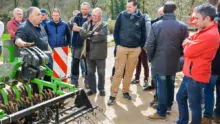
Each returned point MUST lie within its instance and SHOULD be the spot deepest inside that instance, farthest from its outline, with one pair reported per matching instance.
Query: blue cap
(43, 11)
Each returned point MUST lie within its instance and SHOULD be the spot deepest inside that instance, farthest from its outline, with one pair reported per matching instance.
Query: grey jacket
(97, 43)
(164, 45)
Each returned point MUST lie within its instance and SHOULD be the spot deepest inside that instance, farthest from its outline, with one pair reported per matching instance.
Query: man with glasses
(44, 17)
(15, 22)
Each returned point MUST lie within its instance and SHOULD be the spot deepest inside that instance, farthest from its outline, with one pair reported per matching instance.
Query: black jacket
(130, 29)
(216, 61)
(28, 33)
(164, 45)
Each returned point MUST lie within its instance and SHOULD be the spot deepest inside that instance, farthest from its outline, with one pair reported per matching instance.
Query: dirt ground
(129, 112)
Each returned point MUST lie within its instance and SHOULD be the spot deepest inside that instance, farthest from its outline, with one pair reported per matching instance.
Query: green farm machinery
(26, 98)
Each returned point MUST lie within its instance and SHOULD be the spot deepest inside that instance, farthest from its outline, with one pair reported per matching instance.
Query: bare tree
(16, 3)
(79, 3)
(94, 2)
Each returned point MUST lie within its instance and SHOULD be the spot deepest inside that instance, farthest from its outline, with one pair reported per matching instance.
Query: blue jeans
(217, 109)
(154, 81)
(165, 92)
(82, 65)
(209, 96)
(191, 90)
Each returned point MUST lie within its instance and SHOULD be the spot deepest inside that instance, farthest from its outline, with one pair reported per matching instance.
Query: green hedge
(111, 24)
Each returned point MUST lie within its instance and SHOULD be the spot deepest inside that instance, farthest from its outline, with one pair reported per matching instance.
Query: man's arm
(84, 33)
(194, 48)
(21, 37)
(143, 33)
(68, 35)
(101, 35)
(117, 29)
(11, 30)
(150, 45)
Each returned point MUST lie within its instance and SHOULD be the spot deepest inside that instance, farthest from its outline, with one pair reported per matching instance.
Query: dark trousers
(165, 93)
(217, 109)
(0, 50)
(75, 70)
(100, 65)
(190, 91)
(142, 59)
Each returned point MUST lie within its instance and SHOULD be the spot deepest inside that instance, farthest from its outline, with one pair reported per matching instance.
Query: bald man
(31, 32)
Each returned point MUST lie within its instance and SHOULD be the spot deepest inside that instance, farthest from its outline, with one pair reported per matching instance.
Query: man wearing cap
(44, 17)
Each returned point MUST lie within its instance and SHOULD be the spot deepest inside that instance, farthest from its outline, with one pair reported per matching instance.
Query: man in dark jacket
(95, 34)
(209, 88)
(57, 31)
(77, 42)
(129, 36)
(164, 48)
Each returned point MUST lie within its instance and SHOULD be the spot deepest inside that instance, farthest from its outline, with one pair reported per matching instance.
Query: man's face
(96, 16)
(36, 17)
(201, 22)
(85, 10)
(131, 8)
(18, 15)
(44, 16)
(75, 13)
(56, 16)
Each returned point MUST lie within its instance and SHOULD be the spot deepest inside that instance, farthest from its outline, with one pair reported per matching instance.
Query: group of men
(163, 42)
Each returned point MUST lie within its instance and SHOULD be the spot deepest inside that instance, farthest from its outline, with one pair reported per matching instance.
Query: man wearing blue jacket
(57, 31)
(129, 36)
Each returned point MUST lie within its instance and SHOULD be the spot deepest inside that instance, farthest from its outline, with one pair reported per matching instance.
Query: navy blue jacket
(77, 41)
(130, 29)
(58, 34)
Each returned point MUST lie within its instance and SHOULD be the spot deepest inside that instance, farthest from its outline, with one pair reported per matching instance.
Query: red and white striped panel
(60, 62)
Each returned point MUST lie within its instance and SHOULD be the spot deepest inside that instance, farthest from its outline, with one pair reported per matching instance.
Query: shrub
(111, 24)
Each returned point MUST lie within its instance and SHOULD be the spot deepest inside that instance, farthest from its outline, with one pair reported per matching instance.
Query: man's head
(18, 14)
(160, 11)
(75, 12)
(85, 8)
(204, 15)
(44, 14)
(169, 7)
(56, 15)
(34, 15)
(131, 6)
(96, 15)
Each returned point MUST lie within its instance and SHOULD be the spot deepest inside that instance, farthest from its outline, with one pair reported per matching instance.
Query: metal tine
(102, 112)
(94, 115)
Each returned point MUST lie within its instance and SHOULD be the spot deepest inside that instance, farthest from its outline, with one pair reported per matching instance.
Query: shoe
(135, 82)
(155, 101)
(149, 88)
(83, 75)
(127, 96)
(169, 109)
(206, 120)
(102, 93)
(156, 116)
(216, 118)
(86, 85)
(111, 101)
(90, 92)
(145, 83)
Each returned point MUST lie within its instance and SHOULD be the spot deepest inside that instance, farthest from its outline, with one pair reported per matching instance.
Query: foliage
(111, 24)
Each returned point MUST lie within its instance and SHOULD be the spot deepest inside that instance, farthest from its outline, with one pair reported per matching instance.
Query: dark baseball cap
(43, 11)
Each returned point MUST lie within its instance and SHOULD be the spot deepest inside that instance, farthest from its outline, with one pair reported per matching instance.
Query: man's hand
(76, 28)
(95, 33)
(25, 44)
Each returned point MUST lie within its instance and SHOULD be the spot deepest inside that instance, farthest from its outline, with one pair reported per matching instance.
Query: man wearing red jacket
(199, 51)
(15, 22)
